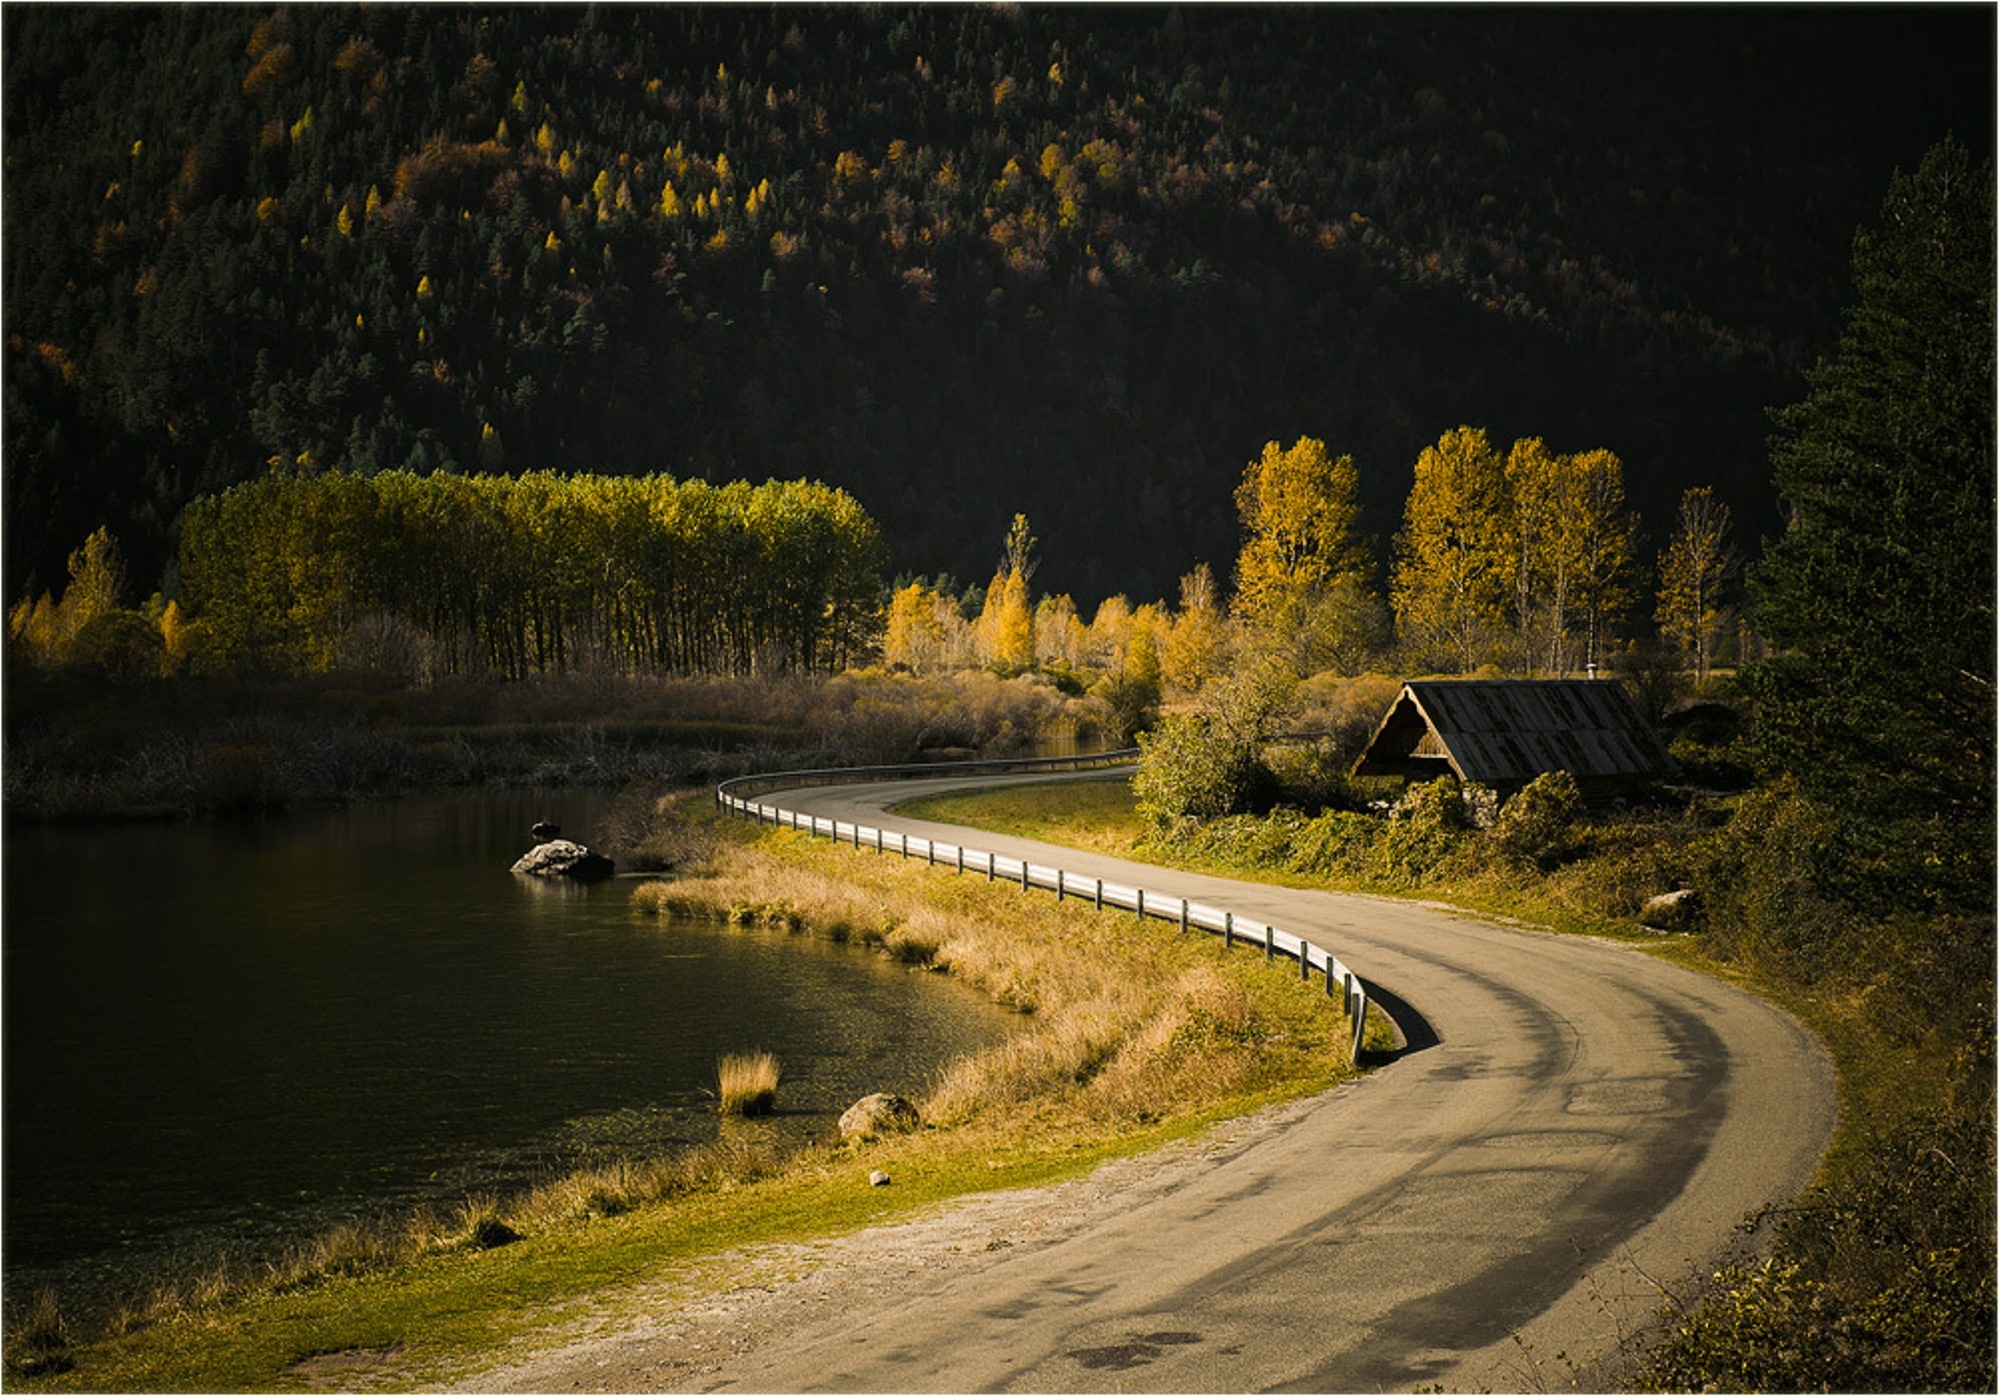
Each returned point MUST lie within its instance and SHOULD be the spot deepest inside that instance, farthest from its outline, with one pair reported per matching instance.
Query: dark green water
(225, 1034)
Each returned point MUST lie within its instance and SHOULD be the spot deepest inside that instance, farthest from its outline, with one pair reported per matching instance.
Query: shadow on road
(1413, 1031)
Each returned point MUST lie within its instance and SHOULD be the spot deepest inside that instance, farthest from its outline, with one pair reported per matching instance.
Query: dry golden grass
(749, 1083)
(1124, 1021)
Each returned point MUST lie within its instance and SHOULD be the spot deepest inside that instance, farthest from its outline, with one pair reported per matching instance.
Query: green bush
(1536, 827)
(1193, 765)
(1428, 827)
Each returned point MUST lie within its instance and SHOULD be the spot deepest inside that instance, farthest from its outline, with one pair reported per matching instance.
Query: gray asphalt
(1573, 1123)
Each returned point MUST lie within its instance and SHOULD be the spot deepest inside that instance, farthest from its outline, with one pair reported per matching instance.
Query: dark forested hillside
(1080, 263)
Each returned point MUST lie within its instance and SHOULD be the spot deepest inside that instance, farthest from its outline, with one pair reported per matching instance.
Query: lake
(225, 1034)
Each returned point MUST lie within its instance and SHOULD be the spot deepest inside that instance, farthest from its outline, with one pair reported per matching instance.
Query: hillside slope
(962, 262)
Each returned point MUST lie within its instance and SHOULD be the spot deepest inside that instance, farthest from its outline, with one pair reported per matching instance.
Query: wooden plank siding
(1505, 732)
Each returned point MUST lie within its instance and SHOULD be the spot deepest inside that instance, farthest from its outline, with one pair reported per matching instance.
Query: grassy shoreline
(1131, 1038)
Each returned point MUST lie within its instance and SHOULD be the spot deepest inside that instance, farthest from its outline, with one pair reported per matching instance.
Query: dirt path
(1489, 1211)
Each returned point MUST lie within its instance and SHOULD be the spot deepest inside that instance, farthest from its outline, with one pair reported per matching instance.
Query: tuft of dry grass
(38, 1337)
(749, 1083)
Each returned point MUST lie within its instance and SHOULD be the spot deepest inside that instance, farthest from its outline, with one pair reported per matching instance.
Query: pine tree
(1880, 592)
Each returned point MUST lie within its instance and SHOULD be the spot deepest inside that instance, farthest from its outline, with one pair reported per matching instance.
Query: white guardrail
(738, 795)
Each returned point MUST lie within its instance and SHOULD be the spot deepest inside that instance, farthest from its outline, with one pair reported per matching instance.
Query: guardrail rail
(738, 794)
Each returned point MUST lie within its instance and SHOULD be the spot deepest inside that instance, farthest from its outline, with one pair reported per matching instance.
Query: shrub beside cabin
(1503, 733)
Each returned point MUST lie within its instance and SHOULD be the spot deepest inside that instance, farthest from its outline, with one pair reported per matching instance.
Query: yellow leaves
(1453, 573)
(670, 202)
(1006, 625)
(424, 289)
(1299, 511)
(344, 221)
(303, 126)
(268, 210)
(545, 139)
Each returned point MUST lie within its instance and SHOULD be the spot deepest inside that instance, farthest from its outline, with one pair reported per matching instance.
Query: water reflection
(236, 1031)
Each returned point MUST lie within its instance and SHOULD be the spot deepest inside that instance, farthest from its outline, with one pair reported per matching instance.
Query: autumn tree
(1544, 565)
(1694, 571)
(1453, 579)
(1006, 626)
(1061, 639)
(1571, 546)
(1193, 651)
(1303, 578)
(49, 627)
(1605, 535)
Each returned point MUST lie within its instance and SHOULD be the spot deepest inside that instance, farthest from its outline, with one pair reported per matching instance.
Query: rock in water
(564, 858)
(880, 1114)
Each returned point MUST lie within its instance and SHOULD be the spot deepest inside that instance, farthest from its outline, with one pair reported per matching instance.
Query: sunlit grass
(1099, 815)
(749, 1083)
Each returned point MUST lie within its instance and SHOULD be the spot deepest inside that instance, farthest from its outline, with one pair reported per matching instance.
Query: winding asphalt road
(1572, 1122)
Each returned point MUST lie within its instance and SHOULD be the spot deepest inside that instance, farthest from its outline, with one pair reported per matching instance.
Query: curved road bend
(1574, 1120)
(1489, 1211)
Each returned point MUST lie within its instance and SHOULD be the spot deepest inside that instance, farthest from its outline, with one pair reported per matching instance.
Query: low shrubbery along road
(1572, 1124)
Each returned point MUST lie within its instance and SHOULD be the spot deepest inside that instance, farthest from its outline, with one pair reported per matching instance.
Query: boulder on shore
(880, 1114)
(564, 858)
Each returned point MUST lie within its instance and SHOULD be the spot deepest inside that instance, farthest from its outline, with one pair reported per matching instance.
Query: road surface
(1572, 1123)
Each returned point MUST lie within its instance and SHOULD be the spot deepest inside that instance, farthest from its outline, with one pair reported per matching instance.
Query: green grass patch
(1100, 816)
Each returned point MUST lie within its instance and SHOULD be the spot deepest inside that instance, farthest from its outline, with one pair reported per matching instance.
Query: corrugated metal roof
(1503, 732)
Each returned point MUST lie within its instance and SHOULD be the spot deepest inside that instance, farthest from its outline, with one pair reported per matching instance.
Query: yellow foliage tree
(1062, 641)
(914, 636)
(1453, 575)
(47, 628)
(1006, 627)
(1572, 544)
(1606, 535)
(1303, 577)
(1192, 654)
(1694, 571)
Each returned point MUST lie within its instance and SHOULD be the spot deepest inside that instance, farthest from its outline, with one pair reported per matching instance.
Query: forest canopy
(960, 262)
